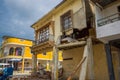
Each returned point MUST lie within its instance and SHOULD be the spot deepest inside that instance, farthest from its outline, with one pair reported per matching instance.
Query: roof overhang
(103, 3)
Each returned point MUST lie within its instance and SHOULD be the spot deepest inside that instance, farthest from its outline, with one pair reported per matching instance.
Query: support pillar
(23, 60)
(109, 61)
(55, 64)
(90, 60)
(83, 70)
(34, 63)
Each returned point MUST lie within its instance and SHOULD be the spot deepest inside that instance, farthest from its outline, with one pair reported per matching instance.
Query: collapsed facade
(74, 21)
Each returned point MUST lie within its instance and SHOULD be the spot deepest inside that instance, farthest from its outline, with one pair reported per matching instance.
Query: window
(18, 51)
(44, 34)
(66, 20)
(44, 53)
(11, 51)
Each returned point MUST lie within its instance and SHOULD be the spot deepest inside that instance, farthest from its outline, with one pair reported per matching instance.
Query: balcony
(108, 28)
(43, 44)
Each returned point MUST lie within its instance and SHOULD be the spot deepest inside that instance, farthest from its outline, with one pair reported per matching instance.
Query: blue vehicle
(6, 70)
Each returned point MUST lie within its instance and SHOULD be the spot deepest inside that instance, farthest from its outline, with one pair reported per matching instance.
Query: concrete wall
(7, 48)
(109, 32)
(75, 6)
(100, 64)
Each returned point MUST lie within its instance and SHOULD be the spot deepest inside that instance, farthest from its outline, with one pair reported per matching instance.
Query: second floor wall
(13, 46)
(68, 15)
(13, 50)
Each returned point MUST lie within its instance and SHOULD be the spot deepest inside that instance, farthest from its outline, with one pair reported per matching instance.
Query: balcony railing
(109, 19)
(49, 38)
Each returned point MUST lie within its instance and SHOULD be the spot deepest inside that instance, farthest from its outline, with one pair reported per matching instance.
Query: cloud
(31, 7)
(19, 15)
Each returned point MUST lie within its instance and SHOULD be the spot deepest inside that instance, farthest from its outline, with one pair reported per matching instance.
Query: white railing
(109, 19)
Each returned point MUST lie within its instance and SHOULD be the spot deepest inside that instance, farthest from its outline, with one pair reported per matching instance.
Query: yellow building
(17, 51)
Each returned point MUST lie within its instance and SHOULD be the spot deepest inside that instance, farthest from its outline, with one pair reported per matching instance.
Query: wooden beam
(75, 70)
(62, 46)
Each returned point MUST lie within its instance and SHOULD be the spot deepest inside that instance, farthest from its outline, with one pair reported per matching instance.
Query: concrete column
(55, 64)
(34, 63)
(109, 61)
(23, 61)
(90, 60)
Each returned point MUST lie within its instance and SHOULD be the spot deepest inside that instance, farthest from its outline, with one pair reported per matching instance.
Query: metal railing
(109, 19)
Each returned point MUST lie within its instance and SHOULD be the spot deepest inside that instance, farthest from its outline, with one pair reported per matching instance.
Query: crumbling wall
(100, 63)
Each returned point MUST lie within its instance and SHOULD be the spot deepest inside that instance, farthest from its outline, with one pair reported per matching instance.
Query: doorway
(15, 65)
(118, 8)
(119, 12)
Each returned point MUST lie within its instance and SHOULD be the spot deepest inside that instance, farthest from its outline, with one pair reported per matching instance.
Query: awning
(4, 64)
(16, 60)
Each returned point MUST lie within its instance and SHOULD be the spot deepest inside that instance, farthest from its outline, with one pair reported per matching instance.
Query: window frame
(11, 51)
(69, 24)
(18, 51)
(44, 33)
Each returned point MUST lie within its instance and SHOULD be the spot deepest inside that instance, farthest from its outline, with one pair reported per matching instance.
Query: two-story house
(17, 52)
(76, 20)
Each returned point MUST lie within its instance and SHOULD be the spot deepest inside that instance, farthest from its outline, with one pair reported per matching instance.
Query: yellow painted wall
(49, 55)
(18, 41)
(21, 42)
(27, 52)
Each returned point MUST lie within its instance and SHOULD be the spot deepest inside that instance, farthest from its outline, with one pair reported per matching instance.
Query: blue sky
(16, 16)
